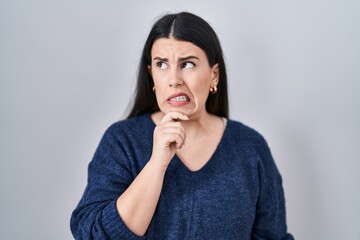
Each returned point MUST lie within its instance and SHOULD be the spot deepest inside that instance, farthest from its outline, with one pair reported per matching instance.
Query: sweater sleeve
(270, 221)
(109, 175)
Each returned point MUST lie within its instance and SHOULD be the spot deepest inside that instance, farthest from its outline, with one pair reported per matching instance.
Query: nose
(175, 78)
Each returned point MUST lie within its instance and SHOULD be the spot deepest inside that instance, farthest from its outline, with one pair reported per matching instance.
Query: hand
(169, 135)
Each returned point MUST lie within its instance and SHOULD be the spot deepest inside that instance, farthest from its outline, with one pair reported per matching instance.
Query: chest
(195, 154)
(218, 200)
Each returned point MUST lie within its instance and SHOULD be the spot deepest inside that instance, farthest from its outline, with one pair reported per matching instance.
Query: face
(182, 76)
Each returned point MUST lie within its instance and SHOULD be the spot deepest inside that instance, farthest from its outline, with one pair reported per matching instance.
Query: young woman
(178, 168)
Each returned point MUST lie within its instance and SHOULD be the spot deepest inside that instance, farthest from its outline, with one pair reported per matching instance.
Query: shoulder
(130, 137)
(239, 131)
(247, 140)
(251, 143)
(135, 125)
(130, 130)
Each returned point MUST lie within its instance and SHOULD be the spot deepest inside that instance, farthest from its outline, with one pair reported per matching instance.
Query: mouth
(178, 99)
(181, 98)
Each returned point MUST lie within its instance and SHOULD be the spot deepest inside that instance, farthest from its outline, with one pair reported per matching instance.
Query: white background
(67, 71)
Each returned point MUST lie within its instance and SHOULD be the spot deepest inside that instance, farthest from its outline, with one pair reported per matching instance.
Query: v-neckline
(211, 159)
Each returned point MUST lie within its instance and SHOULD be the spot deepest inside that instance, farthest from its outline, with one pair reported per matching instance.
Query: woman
(177, 168)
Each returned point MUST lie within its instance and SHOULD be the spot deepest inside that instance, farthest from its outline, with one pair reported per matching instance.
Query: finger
(171, 127)
(174, 116)
(175, 140)
(172, 131)
(180, 142)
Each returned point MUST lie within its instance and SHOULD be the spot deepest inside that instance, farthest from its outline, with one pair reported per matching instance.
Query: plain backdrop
(68, 69)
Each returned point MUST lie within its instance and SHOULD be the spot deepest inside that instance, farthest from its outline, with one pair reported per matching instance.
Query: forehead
(170, 47)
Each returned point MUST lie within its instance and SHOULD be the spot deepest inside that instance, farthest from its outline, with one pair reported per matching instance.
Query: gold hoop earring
(213, 90)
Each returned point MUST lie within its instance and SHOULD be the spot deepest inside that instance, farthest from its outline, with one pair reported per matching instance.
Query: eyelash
(158, 64)
(182, 65)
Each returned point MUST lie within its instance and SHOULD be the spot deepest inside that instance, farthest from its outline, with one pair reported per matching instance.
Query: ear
(215, 75)
(149, 69)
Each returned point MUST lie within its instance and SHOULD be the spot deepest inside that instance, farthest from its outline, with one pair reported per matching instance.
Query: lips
(178, 100)
(179, 97)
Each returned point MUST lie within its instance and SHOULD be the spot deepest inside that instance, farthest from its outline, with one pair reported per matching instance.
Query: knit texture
(238, 194)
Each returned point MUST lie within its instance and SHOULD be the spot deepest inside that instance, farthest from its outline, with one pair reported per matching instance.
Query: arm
(270, 221)
(137, 204)
(109, 174)
(114, 204)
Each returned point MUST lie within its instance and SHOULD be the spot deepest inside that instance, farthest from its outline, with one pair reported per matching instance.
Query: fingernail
(186, 117)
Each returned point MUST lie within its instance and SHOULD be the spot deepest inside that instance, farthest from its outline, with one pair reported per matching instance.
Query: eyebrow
(180, 59)
(187, 58)
(161, 59)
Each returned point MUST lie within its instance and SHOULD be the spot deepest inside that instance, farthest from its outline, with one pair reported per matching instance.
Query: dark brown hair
(188, 27)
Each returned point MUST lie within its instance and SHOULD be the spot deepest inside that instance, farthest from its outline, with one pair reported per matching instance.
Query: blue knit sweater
(237, 195)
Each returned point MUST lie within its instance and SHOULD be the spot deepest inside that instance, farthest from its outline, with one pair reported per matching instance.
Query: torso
(210, 188)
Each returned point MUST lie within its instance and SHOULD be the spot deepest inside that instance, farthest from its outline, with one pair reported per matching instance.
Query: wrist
(156, 166)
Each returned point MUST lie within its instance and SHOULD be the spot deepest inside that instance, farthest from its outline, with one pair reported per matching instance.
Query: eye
(186, 65)
(161, 65)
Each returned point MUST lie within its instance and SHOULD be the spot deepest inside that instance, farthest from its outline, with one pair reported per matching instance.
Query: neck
(205, 123)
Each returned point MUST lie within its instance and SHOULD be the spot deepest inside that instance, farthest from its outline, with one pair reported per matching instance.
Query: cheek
(201, 86)
(159, 82)
(200, 92)
(160, 87)
(155, 77)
